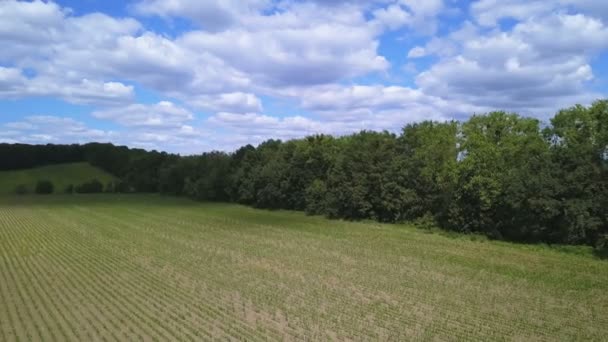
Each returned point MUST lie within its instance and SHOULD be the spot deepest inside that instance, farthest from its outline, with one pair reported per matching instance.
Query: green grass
(60, 174)
(131, 267)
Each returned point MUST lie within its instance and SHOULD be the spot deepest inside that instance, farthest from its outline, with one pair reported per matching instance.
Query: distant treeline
(500, 174)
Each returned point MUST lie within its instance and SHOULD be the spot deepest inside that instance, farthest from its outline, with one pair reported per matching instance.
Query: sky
(188, 76)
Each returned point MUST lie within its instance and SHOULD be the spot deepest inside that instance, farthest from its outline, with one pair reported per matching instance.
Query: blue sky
(189, 76)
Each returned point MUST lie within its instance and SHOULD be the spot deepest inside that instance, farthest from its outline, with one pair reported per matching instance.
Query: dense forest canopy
(500, 174)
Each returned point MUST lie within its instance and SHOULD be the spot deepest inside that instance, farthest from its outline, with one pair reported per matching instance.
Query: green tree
(579, 147)
(429, 153)
(44, 187)
(502, 178)
(356, 181)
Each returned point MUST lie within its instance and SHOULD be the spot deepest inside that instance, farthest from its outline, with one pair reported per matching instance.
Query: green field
(131, 267)
(60, 174)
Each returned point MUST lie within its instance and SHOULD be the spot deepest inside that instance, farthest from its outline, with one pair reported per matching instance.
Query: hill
(60, 174)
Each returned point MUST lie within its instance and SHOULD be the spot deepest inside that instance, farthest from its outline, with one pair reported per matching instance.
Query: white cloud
(164, 114)
(393, 16)
(317, 54)
(542, 64)
(41, 129)
(13, 84)
(416, 52)
(253, 128)
(211, 15)
(490, 12)
(298, 43)
(380, 107)
(233, 102)
(311, 54)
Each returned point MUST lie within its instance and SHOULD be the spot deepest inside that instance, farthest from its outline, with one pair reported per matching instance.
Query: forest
(504, 175)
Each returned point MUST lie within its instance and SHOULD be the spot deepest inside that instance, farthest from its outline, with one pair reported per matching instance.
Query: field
(111, 267)
(60, 174)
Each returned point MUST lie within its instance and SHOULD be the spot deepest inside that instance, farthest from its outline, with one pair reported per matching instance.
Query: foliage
(498, 174)
(91, 187)
(44, 187)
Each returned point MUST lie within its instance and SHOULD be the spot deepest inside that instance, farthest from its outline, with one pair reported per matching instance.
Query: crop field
(111, 267)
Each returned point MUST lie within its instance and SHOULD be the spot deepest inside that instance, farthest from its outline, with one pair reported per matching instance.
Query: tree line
(501, 174)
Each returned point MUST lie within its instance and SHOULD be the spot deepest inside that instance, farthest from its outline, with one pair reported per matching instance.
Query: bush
(21, 189)
(601, 246)
(44, 187)
(121, 187)
(426, 222)
(69, 189)
(90, 187)
(110, 188)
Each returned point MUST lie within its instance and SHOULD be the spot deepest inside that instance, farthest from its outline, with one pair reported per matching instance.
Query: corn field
(110, 267)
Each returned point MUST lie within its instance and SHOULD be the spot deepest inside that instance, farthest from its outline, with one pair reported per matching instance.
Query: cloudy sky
(195, 75)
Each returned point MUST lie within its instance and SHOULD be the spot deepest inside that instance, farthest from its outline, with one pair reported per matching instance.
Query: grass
(131, 267)
(61, 175)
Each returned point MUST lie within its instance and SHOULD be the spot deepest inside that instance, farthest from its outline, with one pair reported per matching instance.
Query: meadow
(61, 175)
(144, 267)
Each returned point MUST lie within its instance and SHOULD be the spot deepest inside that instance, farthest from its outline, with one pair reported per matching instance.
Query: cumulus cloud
(14, 85)
(393, 16)
(490, 12)
(211, 15)
(164, 114)
(324, 57)
(42, 129)
(318, 55)
(540, 65)
(233, 102)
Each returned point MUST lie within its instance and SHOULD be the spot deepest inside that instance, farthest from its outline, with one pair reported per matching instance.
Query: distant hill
(60, 174)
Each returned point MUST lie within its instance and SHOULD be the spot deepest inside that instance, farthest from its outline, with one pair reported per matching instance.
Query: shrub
(69, 189)
(21, 189)
(110, 188)
(601, 246)
(90, 187)
(122, 187)
(44, 187)
(426, 222)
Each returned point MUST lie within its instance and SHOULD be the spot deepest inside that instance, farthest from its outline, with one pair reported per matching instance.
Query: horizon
(188, 77)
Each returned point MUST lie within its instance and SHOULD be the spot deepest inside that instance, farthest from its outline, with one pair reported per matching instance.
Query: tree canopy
(500, 174)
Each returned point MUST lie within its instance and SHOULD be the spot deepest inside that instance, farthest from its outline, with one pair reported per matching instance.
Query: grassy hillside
(113, 267)
(61, 175)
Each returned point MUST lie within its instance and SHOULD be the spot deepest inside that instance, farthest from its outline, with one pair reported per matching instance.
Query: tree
(427, 168)
(316, 197)
(579, 147)
(90, 187)
(44, 187)
(356, 180)
(497, 174)
(504, 179)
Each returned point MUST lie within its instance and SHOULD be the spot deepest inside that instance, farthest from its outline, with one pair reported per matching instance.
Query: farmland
(136, 267)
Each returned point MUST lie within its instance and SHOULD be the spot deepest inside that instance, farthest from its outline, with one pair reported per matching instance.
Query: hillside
(61, 175)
